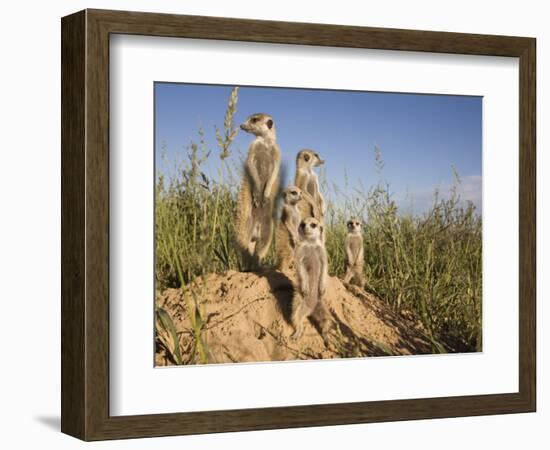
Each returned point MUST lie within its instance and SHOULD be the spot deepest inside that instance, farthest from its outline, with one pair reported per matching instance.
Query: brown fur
(306, 179)
(286, 237)
(312, 271)
(354, 254)
(259, 189)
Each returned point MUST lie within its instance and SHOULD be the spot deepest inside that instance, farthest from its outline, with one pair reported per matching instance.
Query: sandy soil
(245, 318)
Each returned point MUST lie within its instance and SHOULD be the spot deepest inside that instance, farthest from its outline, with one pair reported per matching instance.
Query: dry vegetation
(426, 268)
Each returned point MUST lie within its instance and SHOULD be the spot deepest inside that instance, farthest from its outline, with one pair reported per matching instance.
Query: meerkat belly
(311, 187)
(264, 164)
(313, 269)
(295, 221)
(356, 244)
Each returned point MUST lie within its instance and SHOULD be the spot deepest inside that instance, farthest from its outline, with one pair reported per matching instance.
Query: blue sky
(420, 136)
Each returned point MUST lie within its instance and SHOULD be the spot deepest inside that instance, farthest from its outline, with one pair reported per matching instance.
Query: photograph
(311, 224)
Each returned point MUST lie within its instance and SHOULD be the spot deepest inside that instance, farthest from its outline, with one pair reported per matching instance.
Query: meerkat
(259, 189)
(354, 253)
(310, 261)
(287, 231)
(306, 179)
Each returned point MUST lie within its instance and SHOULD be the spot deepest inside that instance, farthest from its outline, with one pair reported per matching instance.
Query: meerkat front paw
(255, 201)
(265, 197)
(297, 334)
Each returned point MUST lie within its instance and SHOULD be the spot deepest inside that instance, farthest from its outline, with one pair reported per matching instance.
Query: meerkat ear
(270, 124)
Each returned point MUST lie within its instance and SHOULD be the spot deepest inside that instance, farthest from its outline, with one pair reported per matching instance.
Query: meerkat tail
(243, 219)
(281, 245)
(265, 236)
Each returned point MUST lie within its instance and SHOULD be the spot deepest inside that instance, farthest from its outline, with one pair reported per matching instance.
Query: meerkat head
(308, 159)
(292, 195)
(311, 229)
(259, 125)
(354, 226)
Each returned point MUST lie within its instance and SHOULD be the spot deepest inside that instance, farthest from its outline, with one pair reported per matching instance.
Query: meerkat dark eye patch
(270, 124)
(306, 157)
(313, 225)
(254, 119)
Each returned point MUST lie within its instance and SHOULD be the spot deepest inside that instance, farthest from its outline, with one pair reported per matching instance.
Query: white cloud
(469, 190)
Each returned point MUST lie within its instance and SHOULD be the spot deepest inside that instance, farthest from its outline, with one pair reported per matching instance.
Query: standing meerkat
(286, 238)
(311, 265)
(259, 189)
(354, 253)
(306, 179)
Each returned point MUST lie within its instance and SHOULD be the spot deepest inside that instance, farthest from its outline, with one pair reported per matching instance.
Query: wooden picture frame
(85, 224)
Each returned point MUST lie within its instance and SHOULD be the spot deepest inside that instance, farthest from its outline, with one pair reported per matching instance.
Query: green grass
(426, 267)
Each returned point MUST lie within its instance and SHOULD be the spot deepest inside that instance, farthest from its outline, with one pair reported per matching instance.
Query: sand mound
(245, 318)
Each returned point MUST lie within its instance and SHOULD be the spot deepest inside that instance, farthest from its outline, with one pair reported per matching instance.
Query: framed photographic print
(270, 225)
